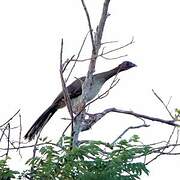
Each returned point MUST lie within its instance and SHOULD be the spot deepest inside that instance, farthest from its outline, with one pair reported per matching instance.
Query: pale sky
(30, 36)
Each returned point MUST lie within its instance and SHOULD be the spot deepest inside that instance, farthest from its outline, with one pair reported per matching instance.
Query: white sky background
(30, 33)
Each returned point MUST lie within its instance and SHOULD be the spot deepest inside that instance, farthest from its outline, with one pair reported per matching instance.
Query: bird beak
(134, 65)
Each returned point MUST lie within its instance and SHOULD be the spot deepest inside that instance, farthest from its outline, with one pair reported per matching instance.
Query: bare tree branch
(112, 58)
(107, 52)
(90, 27)
(108, 42)
(161, 150)
(96, 44)
(20, 132)
(76, 57)
(6, 128)
(93, 118)
(8, 139)
(65, 91)
(121, 47)
(10, 119)
(65, 64)
(126, 130)
(31, 146)
(96, 47)
(166, 106)
(100, 27)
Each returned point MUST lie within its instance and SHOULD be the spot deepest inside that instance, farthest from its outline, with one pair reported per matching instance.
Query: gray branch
(93, 118)
(96, 44)
(126, 130)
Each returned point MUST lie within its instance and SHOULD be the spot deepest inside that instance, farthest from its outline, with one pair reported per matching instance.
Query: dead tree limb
(96, 44)
(10, 119)
(65, 91)
(93, 118)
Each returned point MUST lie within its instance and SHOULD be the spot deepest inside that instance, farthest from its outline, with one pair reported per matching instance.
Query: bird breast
(93, 91)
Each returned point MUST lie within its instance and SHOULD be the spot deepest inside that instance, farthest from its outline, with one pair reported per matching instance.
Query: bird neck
(108, 74)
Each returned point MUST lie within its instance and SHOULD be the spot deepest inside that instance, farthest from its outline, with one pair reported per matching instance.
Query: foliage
(177, 114)
(5, 172)
(91, 160)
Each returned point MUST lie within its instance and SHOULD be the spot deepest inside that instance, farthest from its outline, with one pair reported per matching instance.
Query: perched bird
(75, 91)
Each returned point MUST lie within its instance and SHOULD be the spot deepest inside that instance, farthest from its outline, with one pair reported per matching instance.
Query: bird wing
(74, 90)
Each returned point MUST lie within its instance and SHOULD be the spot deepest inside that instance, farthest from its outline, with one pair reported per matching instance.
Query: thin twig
(121, 47)
(77, 56)
(66, 63)
(166, 107)
(31, 146)
(3, 132)
(126, 130)
(113, 58)
(20, 132)
(8, 139)
(34, 155)
(177, 139)
(109, 42)
(10, 119)
(65, 90)
(90, 27)
(161, 151)
(63, 134)
(107, 52)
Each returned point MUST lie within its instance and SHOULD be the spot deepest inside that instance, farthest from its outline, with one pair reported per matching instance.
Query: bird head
(126, 65)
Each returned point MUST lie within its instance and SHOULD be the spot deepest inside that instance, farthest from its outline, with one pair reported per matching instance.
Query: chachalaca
(75, 91)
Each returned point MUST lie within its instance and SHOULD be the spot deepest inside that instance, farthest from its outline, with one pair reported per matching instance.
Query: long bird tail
(40, 122)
